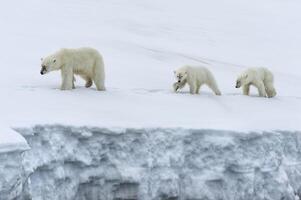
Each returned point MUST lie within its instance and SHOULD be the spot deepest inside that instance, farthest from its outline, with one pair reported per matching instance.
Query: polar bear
(85, 62)
(261, 78)
(195, 77)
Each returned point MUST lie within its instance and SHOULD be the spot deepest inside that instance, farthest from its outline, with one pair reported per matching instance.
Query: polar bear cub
(261, 78)
(85, 62)
(195, 77)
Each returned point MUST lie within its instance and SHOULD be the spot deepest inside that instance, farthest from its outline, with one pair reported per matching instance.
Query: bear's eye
(54, 60)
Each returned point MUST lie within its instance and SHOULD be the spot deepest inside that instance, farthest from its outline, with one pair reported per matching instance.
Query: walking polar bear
(195, 77)
(85, 62)
(261, 78)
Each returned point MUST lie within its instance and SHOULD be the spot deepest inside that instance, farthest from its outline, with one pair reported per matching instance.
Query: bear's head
(181, 75)
(50, 63)
(241, 80)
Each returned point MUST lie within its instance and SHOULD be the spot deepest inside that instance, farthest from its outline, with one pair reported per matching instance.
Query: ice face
(150, 164)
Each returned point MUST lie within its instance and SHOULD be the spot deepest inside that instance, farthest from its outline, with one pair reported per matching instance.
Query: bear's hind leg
(197, 91)
(88, 80)
(99, 76)
(261, 89)
(270, 90)
(89, 83)
(99, 83)
(214, 88)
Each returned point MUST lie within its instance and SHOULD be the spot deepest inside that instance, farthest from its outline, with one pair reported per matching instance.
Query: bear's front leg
(177, 86)
(197, 89)
(246, 89)
(192, 88)
(67, 79)
(73, 83)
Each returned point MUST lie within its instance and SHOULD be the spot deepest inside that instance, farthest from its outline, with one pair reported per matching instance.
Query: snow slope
(142, 42)
(11, 141)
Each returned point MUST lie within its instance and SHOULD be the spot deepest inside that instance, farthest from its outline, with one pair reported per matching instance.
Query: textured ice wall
(11, 175)
(160, 164)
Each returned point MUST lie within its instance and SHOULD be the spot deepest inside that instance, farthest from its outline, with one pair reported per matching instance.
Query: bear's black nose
(179, 81)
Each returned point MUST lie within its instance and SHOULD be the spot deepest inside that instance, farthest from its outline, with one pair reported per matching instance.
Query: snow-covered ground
(142, 43)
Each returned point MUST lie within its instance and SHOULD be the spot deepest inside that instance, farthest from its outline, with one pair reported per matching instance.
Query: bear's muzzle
(43, 70)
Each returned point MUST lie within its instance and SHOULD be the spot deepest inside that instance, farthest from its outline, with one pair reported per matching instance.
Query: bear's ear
(174, 71)
(41, 59)
(185, 72)
(246, 76)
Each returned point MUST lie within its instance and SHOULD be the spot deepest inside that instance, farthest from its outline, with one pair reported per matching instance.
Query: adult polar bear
(195, 77)
(85, 62)
(261, 78)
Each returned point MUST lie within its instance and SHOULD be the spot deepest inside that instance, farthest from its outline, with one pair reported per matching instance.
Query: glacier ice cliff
(89, 163)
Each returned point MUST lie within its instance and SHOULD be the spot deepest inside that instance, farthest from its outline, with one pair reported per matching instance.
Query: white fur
(195, 78)
(261, 78)
(85, 62)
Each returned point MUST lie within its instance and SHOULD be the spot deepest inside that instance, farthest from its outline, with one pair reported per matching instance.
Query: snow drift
(85, 163)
